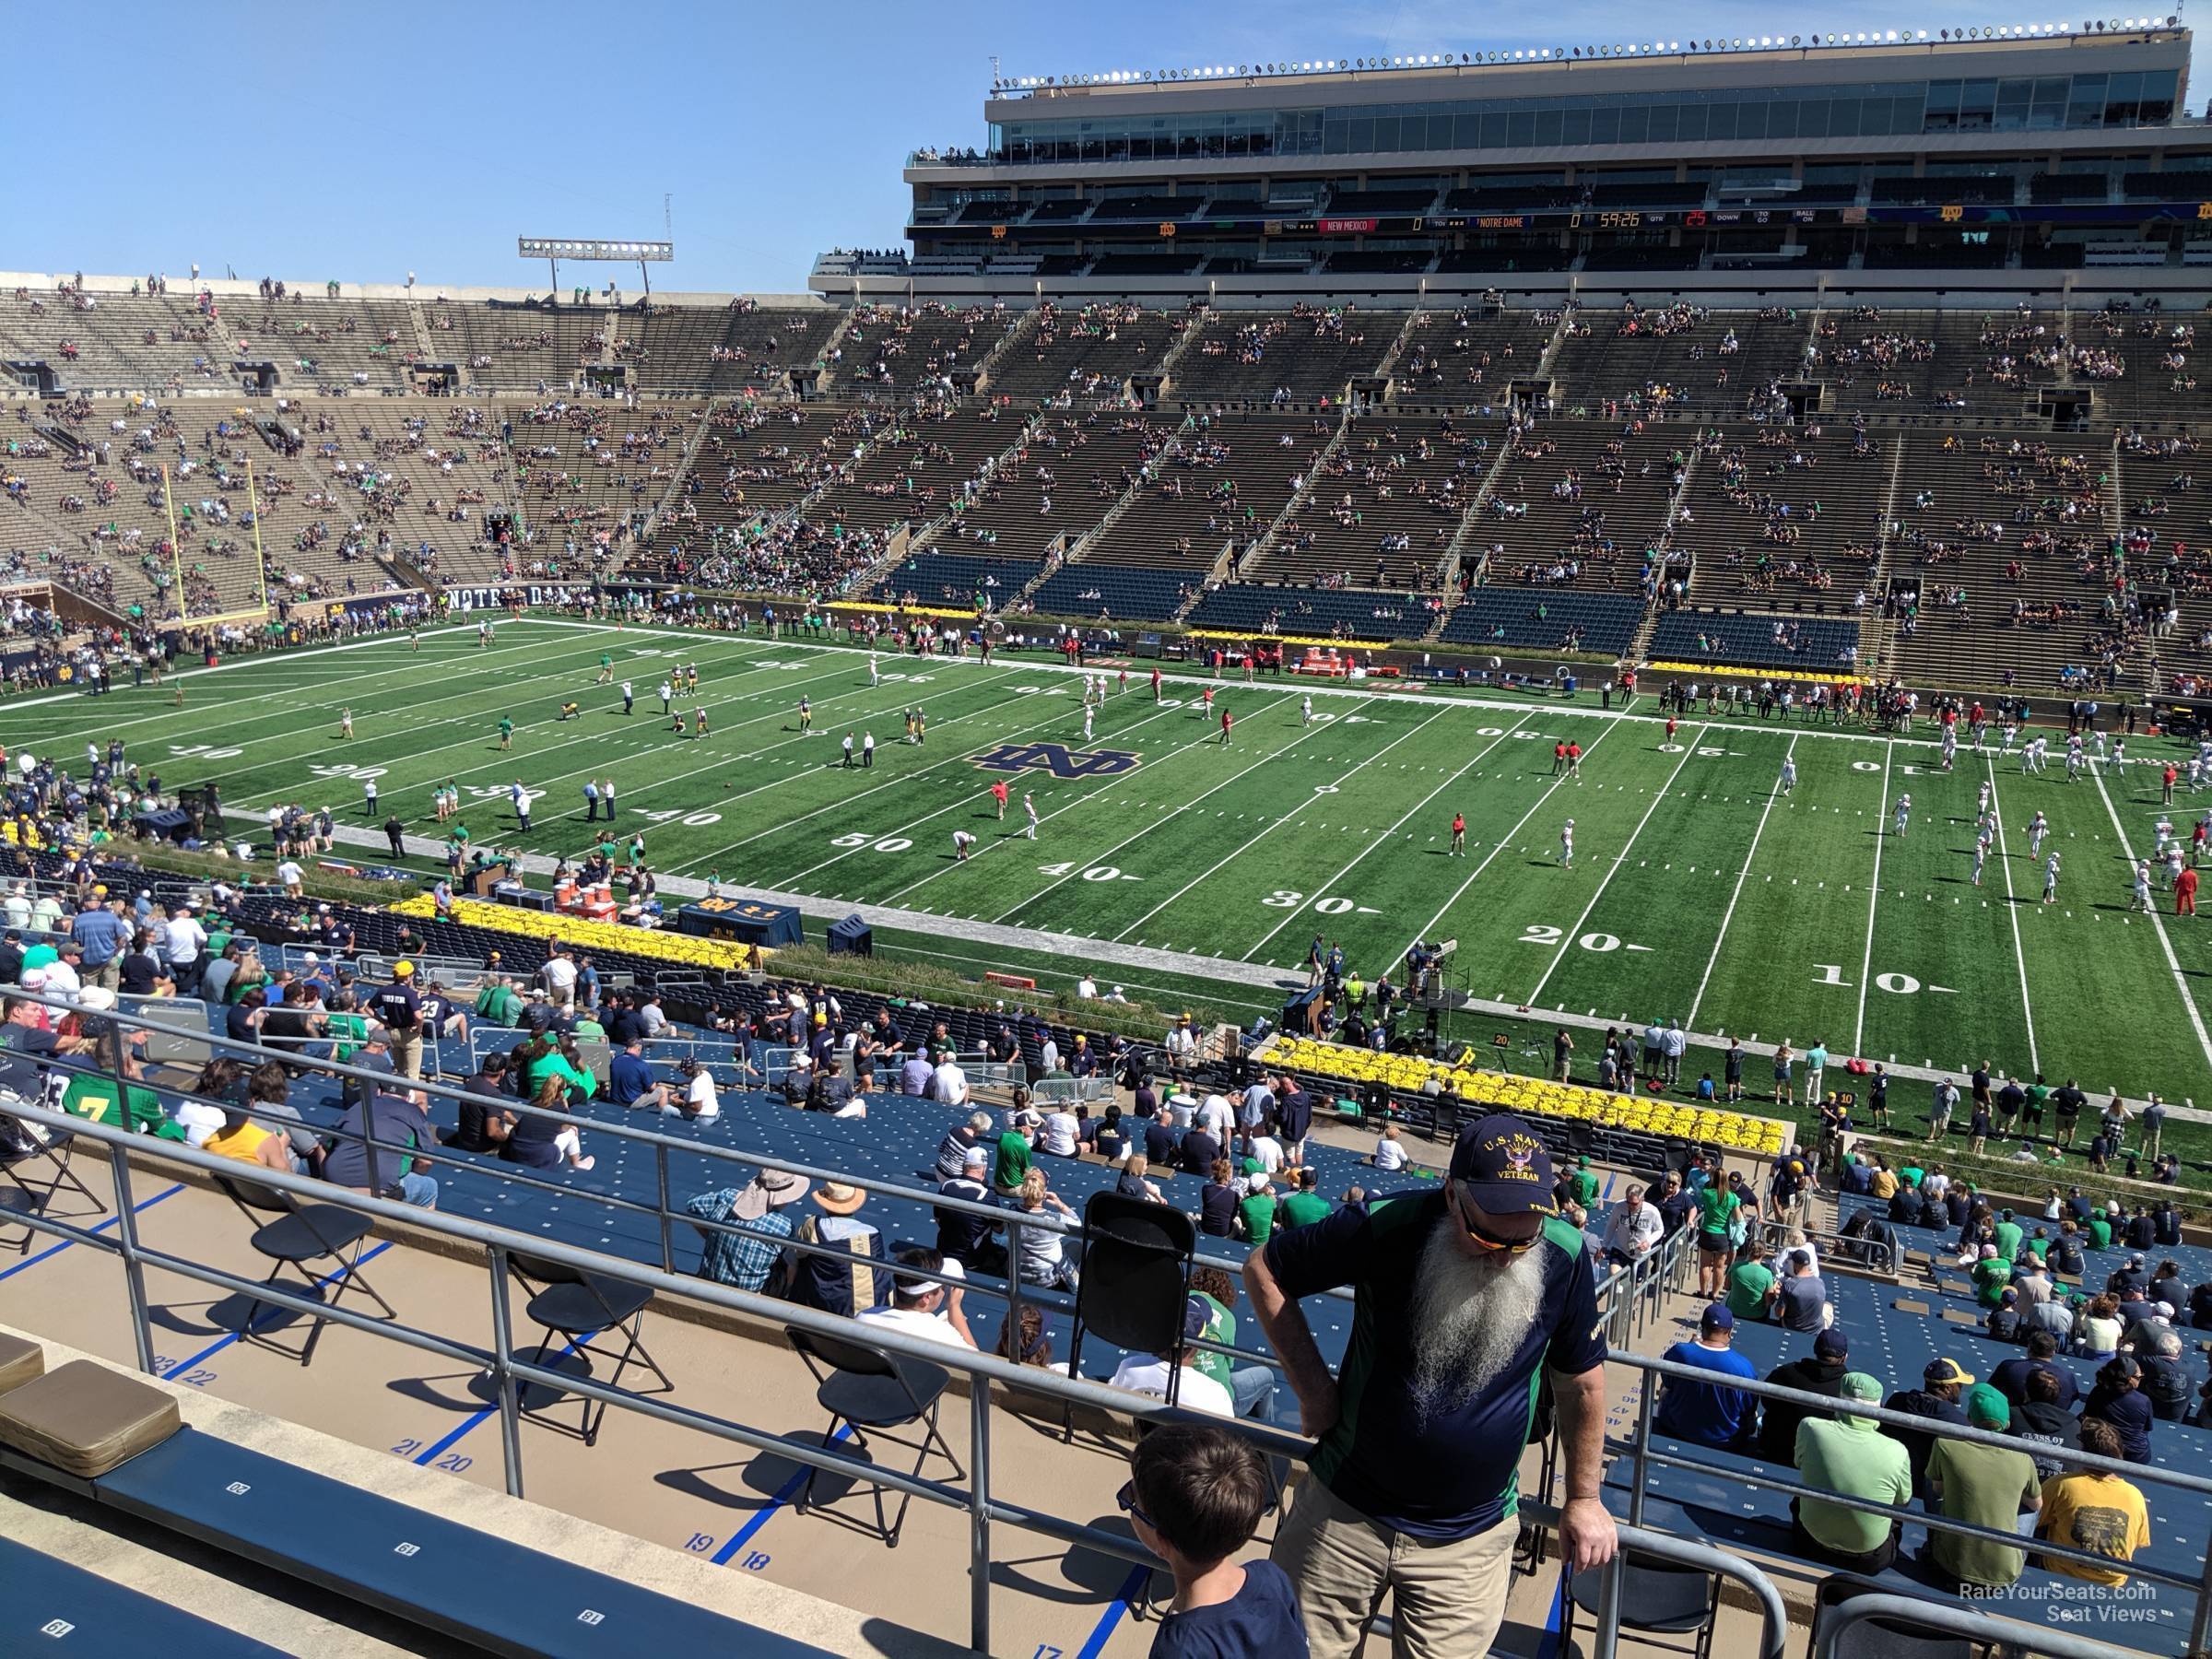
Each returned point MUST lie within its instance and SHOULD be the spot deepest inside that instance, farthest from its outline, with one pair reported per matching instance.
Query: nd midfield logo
(1056, 759)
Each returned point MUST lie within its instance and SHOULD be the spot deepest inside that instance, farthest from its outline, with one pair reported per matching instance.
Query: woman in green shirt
(1717, 1205)
(541, 1058)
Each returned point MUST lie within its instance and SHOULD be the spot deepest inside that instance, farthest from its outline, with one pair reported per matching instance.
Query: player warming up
(1567, 845)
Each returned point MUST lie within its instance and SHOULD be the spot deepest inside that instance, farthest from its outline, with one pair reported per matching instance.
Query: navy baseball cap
(1505, 1166)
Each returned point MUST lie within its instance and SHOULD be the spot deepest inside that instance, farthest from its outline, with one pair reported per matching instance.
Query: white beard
(1469, 1317)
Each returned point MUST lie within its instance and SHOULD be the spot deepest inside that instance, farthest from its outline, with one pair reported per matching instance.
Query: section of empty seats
(1106, 592)
(893, 348)
(1580, 504)
(526, 345)
(1302, 613)
(1059, 482)
(958, 580)
(1471, 357)
(1656, 359)
(1086, 356)
(735, 348)
(1306, 355)
(1212, 484)
(911, 466)
(1514, 618)
(1383, 508)
(2008, 532)
(1795, 645)
(1786, 510)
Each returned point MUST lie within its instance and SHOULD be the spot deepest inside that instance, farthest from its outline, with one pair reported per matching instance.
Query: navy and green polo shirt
(1448, 1477)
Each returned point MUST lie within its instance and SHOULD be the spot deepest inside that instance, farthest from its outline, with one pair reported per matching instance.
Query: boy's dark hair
(1203, 1490)
(2041, 1387)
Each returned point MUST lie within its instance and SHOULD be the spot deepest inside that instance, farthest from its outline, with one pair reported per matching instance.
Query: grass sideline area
(1698, 891)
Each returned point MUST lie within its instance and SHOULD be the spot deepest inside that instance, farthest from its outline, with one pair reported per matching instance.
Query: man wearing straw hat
(744, 1260)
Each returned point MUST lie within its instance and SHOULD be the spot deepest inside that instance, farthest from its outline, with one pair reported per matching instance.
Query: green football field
(1185, 869)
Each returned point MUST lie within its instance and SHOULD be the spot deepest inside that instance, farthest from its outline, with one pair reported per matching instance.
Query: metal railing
(509, 1373)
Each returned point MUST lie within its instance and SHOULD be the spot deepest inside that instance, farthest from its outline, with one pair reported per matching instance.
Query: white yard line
(2157, 925)
(1297, 737)
(1330, 885)
(2019, 957)
(1496, 847)
(1742, 876)
(1568, 939)
(1094, 860)
(966, 802)
(1874, 894)
(1370, 690)
(1261, 835)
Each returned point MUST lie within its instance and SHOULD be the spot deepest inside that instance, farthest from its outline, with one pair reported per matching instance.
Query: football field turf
(1698, 891)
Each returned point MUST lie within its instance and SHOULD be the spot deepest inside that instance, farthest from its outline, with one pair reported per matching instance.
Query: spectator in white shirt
(1181, 1043)
(1633, 1228)
(703, 1101)
(651, 1017)
(1389, 1153)
(184, 940)
(1150, 1373)
(1269, 1151)
(17, 907)
(1087, 988)
(1218, 1118)
(1060, 1131)
(950, 1084)
(559, 977)
(920, 1306)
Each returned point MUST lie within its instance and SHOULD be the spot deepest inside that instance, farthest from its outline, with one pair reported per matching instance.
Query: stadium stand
(1545, 619)
(1799, 644)
(1314, 613)
(1307, 356)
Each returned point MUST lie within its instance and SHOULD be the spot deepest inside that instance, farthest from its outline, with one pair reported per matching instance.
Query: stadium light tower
(553, 250)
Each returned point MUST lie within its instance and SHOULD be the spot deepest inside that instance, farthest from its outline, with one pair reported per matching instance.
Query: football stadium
(1398, 854)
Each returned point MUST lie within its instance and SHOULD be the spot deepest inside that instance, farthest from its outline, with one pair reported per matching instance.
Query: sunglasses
(1485, 1237)
(1126, 1500)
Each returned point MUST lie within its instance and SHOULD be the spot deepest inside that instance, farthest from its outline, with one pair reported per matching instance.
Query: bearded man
(1462, 1293)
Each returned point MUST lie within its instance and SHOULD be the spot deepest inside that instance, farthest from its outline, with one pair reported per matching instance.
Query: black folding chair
(1880, 1638)
(1136, 1278)
(37, 1159)
(301, 1233)
(874, 1391)
(14, 1201)
(1656, 1599)
(576, 1306)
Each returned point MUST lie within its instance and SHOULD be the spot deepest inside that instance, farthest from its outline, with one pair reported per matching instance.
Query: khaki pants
(407, 1053)
(1448, 1599)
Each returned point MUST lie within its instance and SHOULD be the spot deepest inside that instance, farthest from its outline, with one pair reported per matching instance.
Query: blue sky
(382, 141)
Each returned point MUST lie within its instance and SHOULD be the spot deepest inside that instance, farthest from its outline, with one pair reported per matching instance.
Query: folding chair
(14, 1201)
(871, 1390)
(1656, 1598)
(301, 1234)
(1878, 1638)
(23, 1147)
(577, 1306)
(1137, 1277)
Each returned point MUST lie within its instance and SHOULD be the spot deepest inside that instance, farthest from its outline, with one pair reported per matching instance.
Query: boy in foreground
(1195, 1496)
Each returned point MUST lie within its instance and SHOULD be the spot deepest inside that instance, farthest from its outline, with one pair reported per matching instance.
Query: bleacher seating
(1314, 613)
(1785, 512)
(1545, 619)
(1794, 644)
(1580, 504)
(957, 580)
(728, 348)
(890, 350)
(1084, 356)
(1304, 356)
(1113, 592)
(1382, 510)
(1211, 484)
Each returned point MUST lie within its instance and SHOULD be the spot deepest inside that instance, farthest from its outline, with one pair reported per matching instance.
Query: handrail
(501, 1244)
(1978, 1628)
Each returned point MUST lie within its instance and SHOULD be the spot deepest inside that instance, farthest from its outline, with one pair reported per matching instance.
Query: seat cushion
(84, 1420)
(19, 1362)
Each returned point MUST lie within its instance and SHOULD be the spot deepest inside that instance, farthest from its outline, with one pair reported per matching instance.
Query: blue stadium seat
(1548, 618)
(50, 1604)
(1343, 613)
(473, 1586)
(1804, 644)
(1118, 593)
